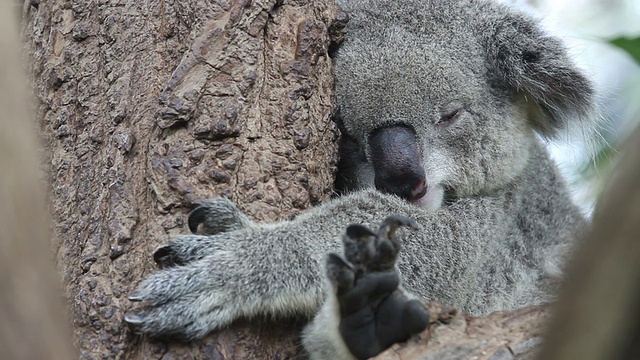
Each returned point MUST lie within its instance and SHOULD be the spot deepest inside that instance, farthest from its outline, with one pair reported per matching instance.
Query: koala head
(445, 95)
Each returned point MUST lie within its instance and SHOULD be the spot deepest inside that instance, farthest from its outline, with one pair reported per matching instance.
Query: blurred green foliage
(631, 46)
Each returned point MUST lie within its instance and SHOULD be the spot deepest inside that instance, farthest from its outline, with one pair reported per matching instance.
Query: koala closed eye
(450, 113)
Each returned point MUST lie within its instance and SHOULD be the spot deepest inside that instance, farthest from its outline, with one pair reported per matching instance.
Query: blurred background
(604, 37)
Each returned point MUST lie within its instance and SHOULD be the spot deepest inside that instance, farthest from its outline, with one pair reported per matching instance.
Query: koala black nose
(397, 162)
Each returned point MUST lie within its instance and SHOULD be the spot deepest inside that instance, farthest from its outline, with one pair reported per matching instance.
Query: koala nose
(397, 163)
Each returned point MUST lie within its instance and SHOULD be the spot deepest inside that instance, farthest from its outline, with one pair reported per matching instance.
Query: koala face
(450, 101)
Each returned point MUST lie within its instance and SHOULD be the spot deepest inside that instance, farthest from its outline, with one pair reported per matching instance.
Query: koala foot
(374, 312)
(186, 302)
(188, 297)
(212, 217)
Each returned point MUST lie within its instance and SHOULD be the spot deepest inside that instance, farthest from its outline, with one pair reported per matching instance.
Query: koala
(444, 106)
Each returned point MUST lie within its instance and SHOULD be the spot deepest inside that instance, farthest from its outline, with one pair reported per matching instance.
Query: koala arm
(277, 269)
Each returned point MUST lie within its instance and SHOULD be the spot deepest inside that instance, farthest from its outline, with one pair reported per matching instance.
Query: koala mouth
(432, 199)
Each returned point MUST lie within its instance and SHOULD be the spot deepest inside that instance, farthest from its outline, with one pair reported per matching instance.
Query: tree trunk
(148, 107)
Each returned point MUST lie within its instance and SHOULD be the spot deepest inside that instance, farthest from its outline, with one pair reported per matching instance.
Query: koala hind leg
(367, 308)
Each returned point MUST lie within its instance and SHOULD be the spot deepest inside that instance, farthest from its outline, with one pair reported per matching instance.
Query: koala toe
(140, 320)
(359, 245)
(185, 249)
(388, 244)
(340, 272)
(171, 284)
(373, 251)
(186, 302)
(145, 321)
(415, 317)
(183, 319)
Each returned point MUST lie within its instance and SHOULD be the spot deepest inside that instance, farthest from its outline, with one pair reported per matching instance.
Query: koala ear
(537, 68)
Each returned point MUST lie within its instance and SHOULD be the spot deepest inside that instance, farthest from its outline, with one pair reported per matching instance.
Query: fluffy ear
(537, 68)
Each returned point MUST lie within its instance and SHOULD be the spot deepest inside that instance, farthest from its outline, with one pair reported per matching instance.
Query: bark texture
(148, 107)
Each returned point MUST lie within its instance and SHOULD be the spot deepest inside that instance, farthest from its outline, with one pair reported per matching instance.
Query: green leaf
(631, 46)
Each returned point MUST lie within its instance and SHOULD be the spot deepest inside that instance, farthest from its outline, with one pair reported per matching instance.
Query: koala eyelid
(450, 117)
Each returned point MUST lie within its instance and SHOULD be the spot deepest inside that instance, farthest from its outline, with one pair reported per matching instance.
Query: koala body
(443, 104)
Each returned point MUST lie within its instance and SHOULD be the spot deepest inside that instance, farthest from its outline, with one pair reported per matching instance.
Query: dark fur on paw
(165, 257)
(374, 313)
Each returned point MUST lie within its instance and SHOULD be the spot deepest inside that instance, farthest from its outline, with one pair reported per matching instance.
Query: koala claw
(185, 249)
(374, 313)
(136, 297)
(392, 223)
(133, 319)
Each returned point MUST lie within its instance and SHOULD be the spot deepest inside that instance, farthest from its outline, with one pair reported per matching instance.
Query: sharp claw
(133, 319)
(136, 297)
(164, 258)
(161, 252)
(392, 223)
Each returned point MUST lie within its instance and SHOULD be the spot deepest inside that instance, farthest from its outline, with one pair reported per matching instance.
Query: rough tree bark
(148, 107)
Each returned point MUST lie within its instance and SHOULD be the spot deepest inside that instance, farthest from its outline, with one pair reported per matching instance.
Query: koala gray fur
(477, 84)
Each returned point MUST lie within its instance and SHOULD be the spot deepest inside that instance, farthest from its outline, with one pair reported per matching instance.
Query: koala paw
(374, 312)
(187, 302)
(212, 217)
